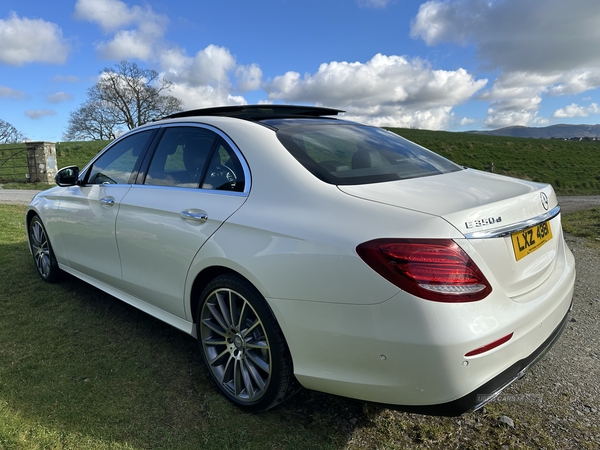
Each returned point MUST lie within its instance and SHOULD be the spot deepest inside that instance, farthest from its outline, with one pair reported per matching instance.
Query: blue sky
(442, 64)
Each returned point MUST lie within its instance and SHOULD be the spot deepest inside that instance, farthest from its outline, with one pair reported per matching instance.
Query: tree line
(124, 97)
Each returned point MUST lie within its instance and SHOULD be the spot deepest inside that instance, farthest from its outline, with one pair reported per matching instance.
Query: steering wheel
(222, 177)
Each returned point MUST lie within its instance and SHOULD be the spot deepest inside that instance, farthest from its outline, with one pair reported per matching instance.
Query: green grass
(79, 369)
(585, 224)
(82, 370)
(67, 154)
(78, 153)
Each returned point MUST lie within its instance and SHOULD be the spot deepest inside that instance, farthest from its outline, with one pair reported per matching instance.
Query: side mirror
(67, 176)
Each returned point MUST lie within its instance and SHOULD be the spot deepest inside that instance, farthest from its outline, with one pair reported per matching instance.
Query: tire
(43, 255)
(242, 344)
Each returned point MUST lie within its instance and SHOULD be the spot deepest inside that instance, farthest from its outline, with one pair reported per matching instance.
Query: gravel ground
(566, 382)
(575, 203)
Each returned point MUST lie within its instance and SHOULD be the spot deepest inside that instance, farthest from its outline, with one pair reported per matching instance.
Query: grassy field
(82, 370)
(584, 224)
(573, 168)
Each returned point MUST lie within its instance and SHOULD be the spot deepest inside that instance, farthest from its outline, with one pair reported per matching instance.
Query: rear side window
(224, 173)
(359, 154)
(181, 157)
(193, 157)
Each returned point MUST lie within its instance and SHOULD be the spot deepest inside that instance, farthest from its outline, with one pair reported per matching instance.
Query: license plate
(527, 241)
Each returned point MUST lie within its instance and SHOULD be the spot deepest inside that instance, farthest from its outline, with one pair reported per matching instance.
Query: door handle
(107, 201)
(196, 215)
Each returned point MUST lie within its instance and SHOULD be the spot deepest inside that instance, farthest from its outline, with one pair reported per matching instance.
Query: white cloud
(516, 35)
(209, 66)
(6, 92)
(377, 4)
(37, 114)
(204, 96)
(138, 32)
(59, 97)
(517, 96)
(541, 48)
(204, 79)
(127, 44)
(111, 15)
(24, 40)
(387, 90)
(576, 81)
(249, 78)
(515, 99)
(574, 110)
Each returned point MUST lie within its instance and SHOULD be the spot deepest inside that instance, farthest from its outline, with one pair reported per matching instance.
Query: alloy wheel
(40, 248)
(235, 345)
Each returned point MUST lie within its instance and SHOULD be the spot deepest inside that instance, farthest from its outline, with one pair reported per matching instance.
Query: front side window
(118, 163)
(358, 154)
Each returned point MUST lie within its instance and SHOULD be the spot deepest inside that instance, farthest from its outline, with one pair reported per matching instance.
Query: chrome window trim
(191, 189)
(519, 226)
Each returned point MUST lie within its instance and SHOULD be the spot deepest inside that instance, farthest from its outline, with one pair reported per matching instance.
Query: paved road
(16, 196)
(568, 204)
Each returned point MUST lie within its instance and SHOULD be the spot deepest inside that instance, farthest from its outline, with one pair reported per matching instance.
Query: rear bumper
(490, 390)
(411, 354)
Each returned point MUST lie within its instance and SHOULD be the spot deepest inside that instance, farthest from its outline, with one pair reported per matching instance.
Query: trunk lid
(479, 205)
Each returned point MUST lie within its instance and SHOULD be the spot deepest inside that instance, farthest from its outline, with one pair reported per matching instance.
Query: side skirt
(177, 322)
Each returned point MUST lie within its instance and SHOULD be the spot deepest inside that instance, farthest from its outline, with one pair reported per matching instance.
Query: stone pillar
(41, 158)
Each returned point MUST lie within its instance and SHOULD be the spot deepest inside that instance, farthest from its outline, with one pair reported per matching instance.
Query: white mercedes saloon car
(303, 249)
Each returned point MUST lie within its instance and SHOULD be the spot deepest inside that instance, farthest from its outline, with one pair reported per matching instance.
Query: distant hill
(554, 131)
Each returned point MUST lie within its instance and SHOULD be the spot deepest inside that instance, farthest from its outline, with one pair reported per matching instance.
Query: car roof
(259, 112)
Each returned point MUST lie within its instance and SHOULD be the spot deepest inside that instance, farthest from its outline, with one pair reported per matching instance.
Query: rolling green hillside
(573, 168)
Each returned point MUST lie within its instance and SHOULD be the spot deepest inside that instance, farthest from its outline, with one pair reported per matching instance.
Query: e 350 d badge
(483, 222)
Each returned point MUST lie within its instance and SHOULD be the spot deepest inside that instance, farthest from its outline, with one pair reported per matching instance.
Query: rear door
(193, 183)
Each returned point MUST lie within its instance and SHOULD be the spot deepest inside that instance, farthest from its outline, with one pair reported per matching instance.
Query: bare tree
(92, 121)
(126, 96)
(9, 134)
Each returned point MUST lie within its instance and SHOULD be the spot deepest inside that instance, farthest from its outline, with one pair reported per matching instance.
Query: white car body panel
(475, 196)
(293, 237)
(88, 223)
(150, 223)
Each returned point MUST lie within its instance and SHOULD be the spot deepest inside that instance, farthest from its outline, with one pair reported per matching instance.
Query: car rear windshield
(345, 153)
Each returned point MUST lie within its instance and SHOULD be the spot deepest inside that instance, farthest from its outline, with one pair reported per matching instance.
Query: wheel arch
(201, 281)
(28, 217)
(206, 275)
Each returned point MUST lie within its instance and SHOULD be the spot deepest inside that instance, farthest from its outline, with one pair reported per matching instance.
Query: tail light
(433, 269)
